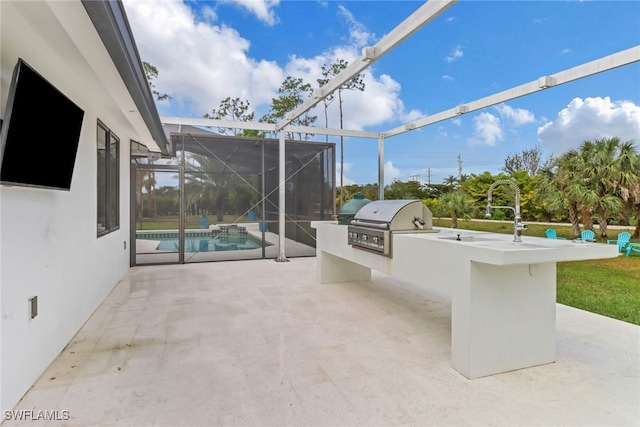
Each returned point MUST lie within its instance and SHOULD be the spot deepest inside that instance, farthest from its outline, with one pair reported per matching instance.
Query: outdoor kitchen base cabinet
(503, 295)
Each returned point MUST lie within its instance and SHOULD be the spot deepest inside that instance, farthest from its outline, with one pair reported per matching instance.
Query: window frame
(107, 192)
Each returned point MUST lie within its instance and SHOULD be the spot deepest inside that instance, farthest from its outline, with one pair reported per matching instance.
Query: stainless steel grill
(372, 226)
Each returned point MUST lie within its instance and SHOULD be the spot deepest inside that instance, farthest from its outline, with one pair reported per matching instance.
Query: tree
(451, 183)
(233, 110)
(477, 187)
(600, 174)
(292, 92)
(551, 194)
(355, 83)
(456, 205)
(209, 181)
(398, 190)
(628, 180)
(570, 167)
(370, 191)
(594, 179)
(560, 187)
(529, 160)
(151, 73)
(606, 167)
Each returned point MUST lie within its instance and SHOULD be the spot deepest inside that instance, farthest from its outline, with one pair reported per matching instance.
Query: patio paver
(262, 343)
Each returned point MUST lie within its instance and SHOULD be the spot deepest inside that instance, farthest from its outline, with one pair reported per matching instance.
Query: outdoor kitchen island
(503, 293)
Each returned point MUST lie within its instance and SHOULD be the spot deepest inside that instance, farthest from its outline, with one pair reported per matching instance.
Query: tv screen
(40, 133)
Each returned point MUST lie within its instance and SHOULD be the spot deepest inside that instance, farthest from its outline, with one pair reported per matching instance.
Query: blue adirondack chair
(587, 236)
(551, 234)
(632, 247)
(622, 240)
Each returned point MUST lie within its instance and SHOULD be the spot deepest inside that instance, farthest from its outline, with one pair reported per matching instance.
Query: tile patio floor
(260, 343)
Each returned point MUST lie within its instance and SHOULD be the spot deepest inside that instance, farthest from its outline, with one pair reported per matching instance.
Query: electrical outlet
(33, 303)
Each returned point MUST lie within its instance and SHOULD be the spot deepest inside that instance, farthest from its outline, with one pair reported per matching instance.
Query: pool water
(208, 244)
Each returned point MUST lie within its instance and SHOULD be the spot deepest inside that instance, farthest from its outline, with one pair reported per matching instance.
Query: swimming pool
(206, 243)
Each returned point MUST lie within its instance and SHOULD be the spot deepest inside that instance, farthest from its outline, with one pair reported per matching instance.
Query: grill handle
(381, 226)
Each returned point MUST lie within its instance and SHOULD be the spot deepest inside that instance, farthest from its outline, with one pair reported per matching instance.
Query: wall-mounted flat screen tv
(40, 133)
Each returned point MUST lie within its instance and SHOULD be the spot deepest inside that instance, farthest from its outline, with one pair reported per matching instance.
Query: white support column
(380, 167)
(281, 206)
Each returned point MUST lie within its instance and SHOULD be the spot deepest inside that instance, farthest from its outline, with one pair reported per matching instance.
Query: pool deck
(261, 343)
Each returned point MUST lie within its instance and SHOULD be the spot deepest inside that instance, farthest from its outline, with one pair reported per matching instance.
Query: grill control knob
(365, 237)
(375, 239)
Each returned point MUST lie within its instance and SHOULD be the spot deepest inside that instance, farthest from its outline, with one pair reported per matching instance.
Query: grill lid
(372, 226)
(382, 211)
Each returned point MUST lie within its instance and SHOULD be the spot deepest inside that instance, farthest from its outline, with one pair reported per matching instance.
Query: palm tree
(571, 173)
(636, 231)
(612, 170)
(627, 179)
(552, 195)
(597, 178)
(457, 204)
(554, 188)
(451, 182)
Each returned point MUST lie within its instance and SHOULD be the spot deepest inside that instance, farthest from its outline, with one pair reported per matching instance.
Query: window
(108, 180)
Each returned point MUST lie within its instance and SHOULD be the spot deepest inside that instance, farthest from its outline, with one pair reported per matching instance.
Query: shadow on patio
(261, 343)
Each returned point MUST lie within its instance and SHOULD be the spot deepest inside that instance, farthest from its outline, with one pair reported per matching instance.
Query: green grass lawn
(610, 287)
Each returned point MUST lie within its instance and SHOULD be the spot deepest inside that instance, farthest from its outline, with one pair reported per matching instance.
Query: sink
(466, 238)
(496, 243)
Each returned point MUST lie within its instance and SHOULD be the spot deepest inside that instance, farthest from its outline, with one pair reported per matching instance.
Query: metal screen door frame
(145, 168)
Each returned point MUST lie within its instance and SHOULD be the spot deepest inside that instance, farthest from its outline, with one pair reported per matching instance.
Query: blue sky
(207, 51)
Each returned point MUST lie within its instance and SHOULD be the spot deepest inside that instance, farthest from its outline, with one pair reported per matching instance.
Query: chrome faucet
(518, 225)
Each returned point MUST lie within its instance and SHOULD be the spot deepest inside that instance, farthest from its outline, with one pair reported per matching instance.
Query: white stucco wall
(48, 245)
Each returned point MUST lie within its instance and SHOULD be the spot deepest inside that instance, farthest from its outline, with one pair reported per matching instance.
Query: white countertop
(500, 249)
(495, 248)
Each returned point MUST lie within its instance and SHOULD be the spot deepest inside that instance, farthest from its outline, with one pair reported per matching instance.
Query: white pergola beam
(192, 121)
(421, 17)
(615, 60)
(333, 132)
(266, 127)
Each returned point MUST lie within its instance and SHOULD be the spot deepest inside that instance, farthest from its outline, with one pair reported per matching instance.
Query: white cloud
(589, 119)
(209, 14)
(411, 116)
(447, 78)
(487, 130)
(202, 63)
(391, 172)
(262, 9)
(457, 121)
(378, 103)
(565, 51)
(199, 63)
(347, 167)
(518, 116)
(357, 32)
(455, 54)
(345, 179)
